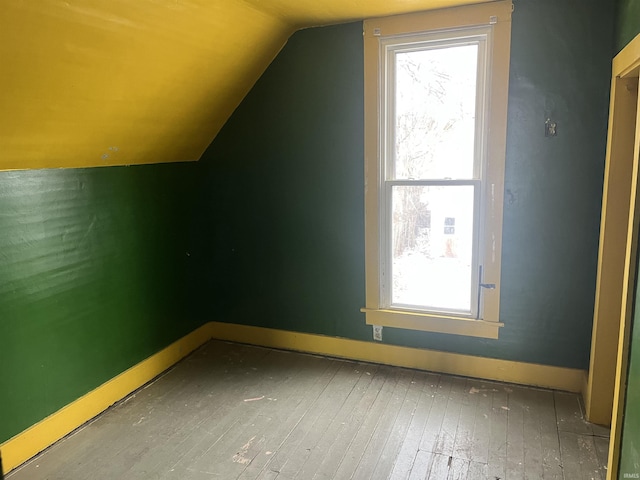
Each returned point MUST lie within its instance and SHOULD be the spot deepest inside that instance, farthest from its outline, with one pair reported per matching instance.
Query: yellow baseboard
(45, 433)
(559, 378)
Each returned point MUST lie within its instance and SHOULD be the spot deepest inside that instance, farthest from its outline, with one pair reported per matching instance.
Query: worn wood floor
(238, 412)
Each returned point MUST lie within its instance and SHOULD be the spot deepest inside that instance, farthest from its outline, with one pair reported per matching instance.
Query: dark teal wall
(560, 69)
(628, 22)
(94, 277)
(287, 249)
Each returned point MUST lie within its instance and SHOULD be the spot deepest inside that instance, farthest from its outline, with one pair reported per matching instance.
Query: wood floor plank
(516, 445)
(232, 452)
(72, 456)
(480, 443)
(432, 431)
(411, 443)
(540, 417)
(351, 459)
(379, 454)
(463, 438)
(421, 465)
(323, 449)
(218, 434)
(397, 436)
(436, 466)
(602, 451)
(340, 444)
(125, 452)
(445, 467)
(267, 475)
(478, 471)
(240, 412)
(451, 420)
(310, 378)
(531, 432)
(579, 457)
(231, 427)
(290, 458)
(463, 446)
(293, 407)
(209, 399)
(439, 467)
(599, 430)
(458, 469)
(497, 464)
(569, 414)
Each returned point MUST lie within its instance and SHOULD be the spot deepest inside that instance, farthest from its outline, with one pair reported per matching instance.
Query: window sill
(432, 323)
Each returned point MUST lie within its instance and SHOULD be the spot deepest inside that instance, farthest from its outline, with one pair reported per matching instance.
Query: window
(436, 87)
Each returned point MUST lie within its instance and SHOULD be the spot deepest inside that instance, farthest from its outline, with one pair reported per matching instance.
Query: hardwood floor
(239, 412)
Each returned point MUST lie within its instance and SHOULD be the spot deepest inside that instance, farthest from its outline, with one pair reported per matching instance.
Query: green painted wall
(627, 22)
(287, 248)
(630, 447)
(628, 26)
(94, 277)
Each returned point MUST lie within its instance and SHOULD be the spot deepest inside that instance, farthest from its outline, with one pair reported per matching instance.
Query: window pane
(432, 247)
(435, 108)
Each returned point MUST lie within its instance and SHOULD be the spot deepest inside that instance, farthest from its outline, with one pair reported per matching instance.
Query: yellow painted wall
(118, 82)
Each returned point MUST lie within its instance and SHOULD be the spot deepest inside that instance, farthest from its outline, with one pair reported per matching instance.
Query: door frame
(617, 257)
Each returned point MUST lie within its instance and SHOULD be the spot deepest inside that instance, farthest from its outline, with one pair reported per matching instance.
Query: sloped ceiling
(119, 82)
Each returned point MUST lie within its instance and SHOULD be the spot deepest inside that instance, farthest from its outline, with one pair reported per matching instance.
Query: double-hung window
(436, 88)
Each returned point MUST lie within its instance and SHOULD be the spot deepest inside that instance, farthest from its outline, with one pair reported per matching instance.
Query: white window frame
(491, 23)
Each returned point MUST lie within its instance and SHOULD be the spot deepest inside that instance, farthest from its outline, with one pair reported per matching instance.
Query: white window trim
(497, 15)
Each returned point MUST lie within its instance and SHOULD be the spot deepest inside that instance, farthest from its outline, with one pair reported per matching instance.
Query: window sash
(394, 44)
(386, 250)
(389, 48)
